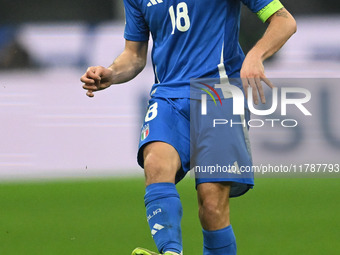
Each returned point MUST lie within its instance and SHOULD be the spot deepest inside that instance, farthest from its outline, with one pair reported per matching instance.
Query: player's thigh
(161, 162)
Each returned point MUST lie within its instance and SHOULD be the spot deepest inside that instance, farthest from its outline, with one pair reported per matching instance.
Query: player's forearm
(281, 27)
(130, 63)
(125, 68)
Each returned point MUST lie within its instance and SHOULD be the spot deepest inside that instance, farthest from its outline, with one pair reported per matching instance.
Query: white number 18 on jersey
(181, 21)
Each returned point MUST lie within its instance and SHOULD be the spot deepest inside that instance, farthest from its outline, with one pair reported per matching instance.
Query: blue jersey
(191, 38)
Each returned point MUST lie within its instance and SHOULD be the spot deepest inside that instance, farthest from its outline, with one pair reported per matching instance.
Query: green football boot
(142, 251)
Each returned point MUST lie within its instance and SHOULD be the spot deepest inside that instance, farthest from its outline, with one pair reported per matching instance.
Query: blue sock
(164, 213)
(219, 242)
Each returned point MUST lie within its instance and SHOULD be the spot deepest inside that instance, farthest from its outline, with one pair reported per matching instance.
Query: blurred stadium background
(69, 181)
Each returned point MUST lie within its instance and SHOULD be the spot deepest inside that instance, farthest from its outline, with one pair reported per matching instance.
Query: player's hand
(252, 74)
(96, 78)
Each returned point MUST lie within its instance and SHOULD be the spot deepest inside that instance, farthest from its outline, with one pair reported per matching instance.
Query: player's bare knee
(157, 171)
(213, 208)
(159, 168)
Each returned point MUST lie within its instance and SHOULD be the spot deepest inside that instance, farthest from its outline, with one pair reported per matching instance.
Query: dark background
(14, 11)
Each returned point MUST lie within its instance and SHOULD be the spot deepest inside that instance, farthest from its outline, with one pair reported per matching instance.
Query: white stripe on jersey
(246, 135)
(221, 69)
(156, 75)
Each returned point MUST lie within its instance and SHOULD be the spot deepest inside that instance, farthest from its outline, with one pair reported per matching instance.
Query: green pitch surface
(102, 217)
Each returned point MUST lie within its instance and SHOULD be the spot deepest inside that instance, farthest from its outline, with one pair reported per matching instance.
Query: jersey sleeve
(136, 28)
(263, 8)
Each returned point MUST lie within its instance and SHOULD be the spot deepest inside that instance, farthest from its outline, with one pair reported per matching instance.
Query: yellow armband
(269, 10)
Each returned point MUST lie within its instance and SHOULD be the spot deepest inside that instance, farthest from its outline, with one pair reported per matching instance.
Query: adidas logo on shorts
(154, 2)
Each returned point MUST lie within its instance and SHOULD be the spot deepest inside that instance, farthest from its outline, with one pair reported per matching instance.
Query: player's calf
(218, 235)
(213, 201)
(162, 202)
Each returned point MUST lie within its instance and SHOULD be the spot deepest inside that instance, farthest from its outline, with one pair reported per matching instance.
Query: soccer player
(191, 39)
